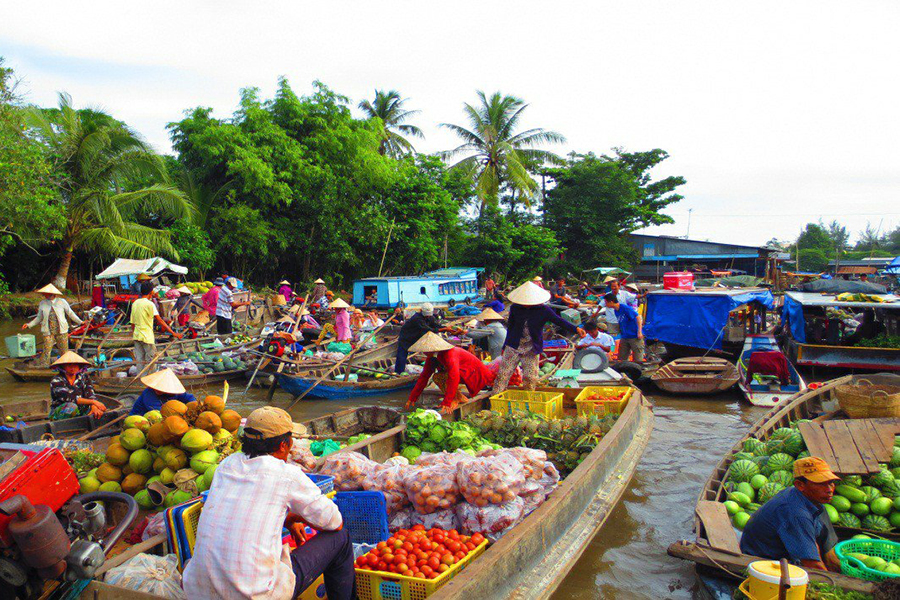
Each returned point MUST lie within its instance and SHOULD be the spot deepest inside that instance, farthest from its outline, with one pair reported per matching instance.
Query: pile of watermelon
(763, 468)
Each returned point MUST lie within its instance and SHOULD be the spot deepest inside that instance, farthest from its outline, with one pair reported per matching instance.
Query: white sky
(777, 113)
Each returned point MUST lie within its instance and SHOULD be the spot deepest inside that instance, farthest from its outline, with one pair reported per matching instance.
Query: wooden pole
(106, 337)
(274, 384)
(388, 241)
(339, 363)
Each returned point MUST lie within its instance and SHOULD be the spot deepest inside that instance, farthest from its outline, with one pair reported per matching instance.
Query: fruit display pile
(764, 468)
(180, 446)
(890, 567)
(426, 431)
(608, 396)
(419, 552)
(204, 363)
(198, 287)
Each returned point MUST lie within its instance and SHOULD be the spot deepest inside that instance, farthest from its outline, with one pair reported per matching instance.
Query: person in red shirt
(450, 366)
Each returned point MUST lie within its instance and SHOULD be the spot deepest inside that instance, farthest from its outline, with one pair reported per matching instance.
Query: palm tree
(95, 158)
(388, 107)
(498, 156)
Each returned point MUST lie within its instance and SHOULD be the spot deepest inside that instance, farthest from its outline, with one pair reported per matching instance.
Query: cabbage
(439, 432)
(411, 453)
(429, 446)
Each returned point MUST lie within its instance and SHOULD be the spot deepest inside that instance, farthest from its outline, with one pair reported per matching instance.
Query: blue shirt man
(628, 321)
(791, 525)
(162, 386)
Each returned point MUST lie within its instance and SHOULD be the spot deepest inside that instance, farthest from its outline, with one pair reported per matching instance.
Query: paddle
(340, 362)
(294, 323)
(106, 337)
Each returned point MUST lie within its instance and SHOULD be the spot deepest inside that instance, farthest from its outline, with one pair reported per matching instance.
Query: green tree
(388, 106)
(869, 239)
(498, 155)
(815, 236)
(813, 259)
(515, 250)
(838, 235)
(193, 246)
(94, 159)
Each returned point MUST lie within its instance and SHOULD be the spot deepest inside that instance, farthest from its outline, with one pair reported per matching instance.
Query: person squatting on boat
(71, 392)
(449, 367)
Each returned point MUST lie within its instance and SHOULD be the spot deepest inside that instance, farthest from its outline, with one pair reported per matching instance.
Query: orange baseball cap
(814, 469)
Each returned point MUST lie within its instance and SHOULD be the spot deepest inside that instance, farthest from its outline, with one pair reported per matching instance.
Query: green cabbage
(411, 453)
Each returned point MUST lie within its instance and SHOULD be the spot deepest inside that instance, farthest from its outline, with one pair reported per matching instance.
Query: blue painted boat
(458, 284)
(338, 389)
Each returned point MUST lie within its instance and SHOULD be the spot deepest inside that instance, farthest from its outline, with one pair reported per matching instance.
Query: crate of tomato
(602, 400)
(414, 563)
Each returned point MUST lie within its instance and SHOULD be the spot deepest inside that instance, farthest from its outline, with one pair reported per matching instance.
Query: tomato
(382, 566)
(434, 562)
(400, 552)
(387, 557)
(447, 559)
(402, 568)
(398, 559)
(443, 568)
(421, 555)
(453, 534)
(459, 555)
(381, 546)
(453, 546)
(477, 539)
(397, 544)
(408, 547)
(418, 527)
(470, 546)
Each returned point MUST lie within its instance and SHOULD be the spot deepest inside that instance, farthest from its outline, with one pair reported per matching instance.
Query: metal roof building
(660, 254)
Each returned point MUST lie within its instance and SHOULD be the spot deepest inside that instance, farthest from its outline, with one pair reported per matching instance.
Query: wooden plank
(719, 530)
(887, 428)
(845, 450)
(818, 445)
(882, 451)
(862, 437)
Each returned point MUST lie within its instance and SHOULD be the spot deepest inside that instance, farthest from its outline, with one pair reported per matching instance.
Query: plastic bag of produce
(157, 575)
(389, 480)
(490, 479)
(324, 448)
(532, 500)
(443, 458)
(532, 460)
(440, 519)
(550, 478)
(432, 488)
(155, 525)
(493, 520)
(402, 519)
(303, 458)
(349, 469)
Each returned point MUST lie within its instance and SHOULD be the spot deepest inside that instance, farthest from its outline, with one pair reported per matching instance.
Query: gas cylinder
(38, 534)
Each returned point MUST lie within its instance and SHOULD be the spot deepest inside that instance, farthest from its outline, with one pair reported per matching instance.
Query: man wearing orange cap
(793, 524)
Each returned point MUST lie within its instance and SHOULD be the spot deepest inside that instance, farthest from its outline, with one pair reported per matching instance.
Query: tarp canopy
(697, 319)
(794, 302)
(740, 281)
(894, 267)
(128, 267)
(607, 271)
(792, 317)
(839, 286)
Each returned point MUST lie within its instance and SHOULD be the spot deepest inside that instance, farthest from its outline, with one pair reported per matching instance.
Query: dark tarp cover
(839, 286)
(792, 316)
(696, 320)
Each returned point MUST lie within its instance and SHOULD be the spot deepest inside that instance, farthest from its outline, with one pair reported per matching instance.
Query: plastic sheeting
(124, 267)
(839, 286)
(792, 317)
(696, 320)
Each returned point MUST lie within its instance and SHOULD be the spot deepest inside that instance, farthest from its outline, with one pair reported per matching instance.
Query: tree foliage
(388, 108)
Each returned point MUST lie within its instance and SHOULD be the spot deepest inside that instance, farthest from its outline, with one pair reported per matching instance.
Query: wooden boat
(715, 549)
(39, 428)
(765, 394)
(696, 375)
(369, 383)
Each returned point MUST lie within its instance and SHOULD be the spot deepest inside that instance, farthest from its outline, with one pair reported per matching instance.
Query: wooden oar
(296, 320)
(106, 337)
(339, 363)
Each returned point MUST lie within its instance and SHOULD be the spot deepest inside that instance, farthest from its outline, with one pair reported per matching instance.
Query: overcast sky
(776, 113)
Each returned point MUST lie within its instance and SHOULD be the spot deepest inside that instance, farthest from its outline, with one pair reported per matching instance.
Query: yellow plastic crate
(603, 407)
(378, 585)
(548, 404)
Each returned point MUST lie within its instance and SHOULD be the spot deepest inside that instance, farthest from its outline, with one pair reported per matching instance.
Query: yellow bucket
(765, 577)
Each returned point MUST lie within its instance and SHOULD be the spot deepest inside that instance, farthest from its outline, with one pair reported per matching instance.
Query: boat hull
(339, 390)
(762, 395)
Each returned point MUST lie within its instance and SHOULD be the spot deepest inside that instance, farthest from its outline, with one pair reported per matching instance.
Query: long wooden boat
(766, 394)
(41, 428)
(696, 375)
(337, 389)
(715, 548)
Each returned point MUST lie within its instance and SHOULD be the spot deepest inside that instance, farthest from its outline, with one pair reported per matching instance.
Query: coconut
(143, 499)
(173, 407)
(193, 405)
(127, 470)
(134, 483)
(208, 475)
(136, 422)
(231, 420)
(176, 497)
(175, 459)
(214, 404)
(163, 450)
(159, 435)
(154, 416)
(152, 479)
(141, 461)
(92, 472)
(158, 464)
(201, 461)
(176, 425)
(110, 486)
(107, 472)
(202, 484)
(114, 440)
(133, 439)
(209, 421)
(86, 485)
(167, 475)
(117, 455)
(196, 440)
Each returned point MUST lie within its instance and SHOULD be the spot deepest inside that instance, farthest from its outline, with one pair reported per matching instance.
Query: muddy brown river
(627, 560)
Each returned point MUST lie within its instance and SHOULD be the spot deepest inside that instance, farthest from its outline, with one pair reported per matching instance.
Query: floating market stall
(371, 378)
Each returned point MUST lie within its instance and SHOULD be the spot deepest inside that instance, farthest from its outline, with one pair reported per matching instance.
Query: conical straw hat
(339, 303)
(284, 282)
(164, 381)
(50, 289)
(529, 294)
(489, 314)
(319, 281)
(70, 358)
(609, 278)
(537, 278)
(430, 342)
(184, 290)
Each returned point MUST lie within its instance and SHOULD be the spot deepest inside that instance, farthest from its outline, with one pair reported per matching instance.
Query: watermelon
(753, 507)
(761, 461)
(840, 503)
(742, 470)
(754, 446)
(774, 446)
(849, 520)
(895, 471)
(794, 445)
(876, 523)
(804, 454)
(895, 519)
(871, 493)
(892, 489)
(740, 498)
(796, 424)
(859, 509)
(785, 478)
(882, 479)
(740, 519)
(768, 491)
(734, 508)
(782, 433)
(779, 462)
(746, 489)
(833, 515)
(855, 480)
(743, 456)
(881, 506)
(757, 481)
(895, 458)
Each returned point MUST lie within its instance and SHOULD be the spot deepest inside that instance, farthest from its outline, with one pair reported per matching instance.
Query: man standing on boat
(631, 333)
(143, 315)
(450, 366)
(622, 297)
(794, 524)
(225, 306)
(54, 314)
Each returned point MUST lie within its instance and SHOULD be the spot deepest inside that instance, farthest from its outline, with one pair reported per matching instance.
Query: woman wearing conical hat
(71, 392)
(341, 321)
(450, 366)
(162, 386)
(524, 336)
(54, 314)
(494, 321)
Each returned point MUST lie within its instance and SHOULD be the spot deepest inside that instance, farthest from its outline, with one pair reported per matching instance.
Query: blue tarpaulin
(792, 316)
(696, 320)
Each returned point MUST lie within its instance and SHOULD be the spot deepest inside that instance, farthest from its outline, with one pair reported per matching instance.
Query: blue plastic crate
(325, 482)
(365, 516)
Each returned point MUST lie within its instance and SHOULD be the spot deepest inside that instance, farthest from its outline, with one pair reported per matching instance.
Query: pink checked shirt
(239, 553)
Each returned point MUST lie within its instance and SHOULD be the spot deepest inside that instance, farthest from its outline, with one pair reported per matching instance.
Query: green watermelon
(734, 508)
(895, 471)
(859, 509)
(754, 446)
(794, 445)
(779, 462)
(796, 424)
(882, 479)
(833, 515)
(785, 478)
(895, 519)
(871, 493)
(761, 461)
(757, 481)
(849, 520)
(854, 480)
(782, 433)
(876, 523)
(743, 456)
(740, 519)
(804, 454)
(895, 458)
(746, 489)
(742, 470)
(752, 507)
(892, 489)
(768, 491)
(774, 446)
(840, 503)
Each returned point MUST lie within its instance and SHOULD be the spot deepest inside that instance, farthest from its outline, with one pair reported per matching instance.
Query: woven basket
(863, 399)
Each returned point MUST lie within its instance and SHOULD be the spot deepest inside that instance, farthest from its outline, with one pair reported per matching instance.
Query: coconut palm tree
(498, 156)
(98, 160)
(388, 107)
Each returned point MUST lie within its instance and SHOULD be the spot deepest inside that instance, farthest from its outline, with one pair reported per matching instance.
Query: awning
(607, 271)
(124, 267)
(857, 271)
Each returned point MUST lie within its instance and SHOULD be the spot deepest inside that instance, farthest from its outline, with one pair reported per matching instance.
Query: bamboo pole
(296, 320)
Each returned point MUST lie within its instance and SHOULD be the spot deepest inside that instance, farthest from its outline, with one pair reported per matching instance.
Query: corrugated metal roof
(699, 257)
(813, 299)
(857, 271)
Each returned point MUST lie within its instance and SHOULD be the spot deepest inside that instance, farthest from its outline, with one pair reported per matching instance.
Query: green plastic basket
(887, 550)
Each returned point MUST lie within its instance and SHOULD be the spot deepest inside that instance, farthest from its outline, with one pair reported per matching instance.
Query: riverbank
(22, 305)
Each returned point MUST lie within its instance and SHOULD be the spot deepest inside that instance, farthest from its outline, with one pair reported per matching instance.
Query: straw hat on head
(218, 281)
(319, 281)
(284, 282)
(428, 309)
(339, 303)
(184, 290)
(50, 289)
(164, 381)
(609, 278)
(70, 358)
(529, 294)
(431, 342)
(537, 278)
(285, 319)
(144, 277)
(631, 286)
(489, 314)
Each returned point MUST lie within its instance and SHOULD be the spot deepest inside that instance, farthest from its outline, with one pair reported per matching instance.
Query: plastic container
(324, 482)
(21, 345)
(602, 407)
(365, 516)
(765, 579)
(855, 568)
(378, 585)
(678, 280)
(548, 404)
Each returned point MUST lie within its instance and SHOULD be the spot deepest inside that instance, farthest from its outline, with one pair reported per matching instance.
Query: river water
(627, 560)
